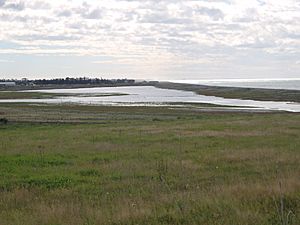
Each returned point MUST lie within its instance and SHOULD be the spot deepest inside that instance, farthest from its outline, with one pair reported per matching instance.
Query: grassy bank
(25, 95)
(63, 86)
(236, 92)
(39, 95)
(140, 165)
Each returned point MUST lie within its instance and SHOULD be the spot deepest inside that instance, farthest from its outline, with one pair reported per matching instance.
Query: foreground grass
(151, 166)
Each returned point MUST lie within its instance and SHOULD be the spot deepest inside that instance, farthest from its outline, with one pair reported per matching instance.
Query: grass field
(62, 165)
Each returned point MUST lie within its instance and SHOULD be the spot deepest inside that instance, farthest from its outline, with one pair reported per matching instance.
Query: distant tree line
(69, 80)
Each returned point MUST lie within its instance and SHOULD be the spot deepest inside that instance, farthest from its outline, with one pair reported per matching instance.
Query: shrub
(3, 121)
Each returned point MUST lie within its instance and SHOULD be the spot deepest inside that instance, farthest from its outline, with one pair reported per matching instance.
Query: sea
(279, 83)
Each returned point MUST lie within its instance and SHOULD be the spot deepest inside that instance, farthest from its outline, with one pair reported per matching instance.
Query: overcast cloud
(169, 39)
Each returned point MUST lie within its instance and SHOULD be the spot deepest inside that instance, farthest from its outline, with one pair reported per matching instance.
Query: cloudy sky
(168, 39)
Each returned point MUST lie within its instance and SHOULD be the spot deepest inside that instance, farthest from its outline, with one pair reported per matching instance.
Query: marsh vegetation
(142, 165)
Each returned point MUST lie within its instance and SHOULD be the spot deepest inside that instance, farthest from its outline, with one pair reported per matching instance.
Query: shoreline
(242, 99)
(259, 94)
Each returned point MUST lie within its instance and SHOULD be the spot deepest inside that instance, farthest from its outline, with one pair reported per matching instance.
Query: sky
(150, 39)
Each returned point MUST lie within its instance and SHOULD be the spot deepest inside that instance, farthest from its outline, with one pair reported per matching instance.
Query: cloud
(2, 2)
(160, 32)
(64, 13)
(18, 6)
(215, 14)
(93, 14)
(6, 61)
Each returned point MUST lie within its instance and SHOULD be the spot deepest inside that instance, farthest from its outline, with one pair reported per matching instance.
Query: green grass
(148, 166)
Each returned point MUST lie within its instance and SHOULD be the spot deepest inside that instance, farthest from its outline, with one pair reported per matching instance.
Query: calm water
(289, 84)
(148, 95)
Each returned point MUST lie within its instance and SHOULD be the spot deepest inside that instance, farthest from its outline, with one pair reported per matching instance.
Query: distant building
(7, 84)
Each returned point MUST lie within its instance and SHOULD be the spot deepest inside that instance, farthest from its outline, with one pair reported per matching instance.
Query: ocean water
(289, 84)
(152, 96)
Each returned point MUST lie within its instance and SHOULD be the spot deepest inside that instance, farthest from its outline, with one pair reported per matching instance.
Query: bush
(3, 121)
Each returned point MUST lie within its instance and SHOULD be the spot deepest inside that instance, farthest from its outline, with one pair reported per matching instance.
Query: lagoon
(150, 96)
